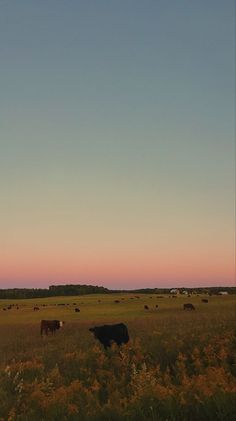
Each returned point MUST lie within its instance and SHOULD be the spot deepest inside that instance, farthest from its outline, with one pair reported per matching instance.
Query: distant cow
(189, 306)
(36, 308)
(77, 310)
(146, 307)
(204, 300)
(116, 301)
(156, 305)
(50, 326)
(117, 333)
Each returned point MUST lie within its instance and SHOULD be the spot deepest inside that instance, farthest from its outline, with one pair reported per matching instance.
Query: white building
(174, 291)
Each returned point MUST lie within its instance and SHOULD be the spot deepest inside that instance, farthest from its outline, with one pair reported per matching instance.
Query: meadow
(178, 365)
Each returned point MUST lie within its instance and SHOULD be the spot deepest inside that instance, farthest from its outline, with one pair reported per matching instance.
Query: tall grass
(177, 366)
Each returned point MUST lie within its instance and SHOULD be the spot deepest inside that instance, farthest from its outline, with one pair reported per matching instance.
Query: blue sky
(117, 133)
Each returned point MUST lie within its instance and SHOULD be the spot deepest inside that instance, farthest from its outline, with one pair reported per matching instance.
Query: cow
(146, 307)
(50, 326)
(189, 306)
(36, 308)
(116, 301)
(77, 310)
(117, 333)
(156, 305)
(204, 300)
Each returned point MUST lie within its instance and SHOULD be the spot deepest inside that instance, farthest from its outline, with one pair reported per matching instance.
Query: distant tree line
(66, 290)
(52, 291)
(182, 290)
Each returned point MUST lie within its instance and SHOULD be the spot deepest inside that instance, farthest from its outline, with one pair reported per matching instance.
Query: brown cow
(50, 326)
(189, 306)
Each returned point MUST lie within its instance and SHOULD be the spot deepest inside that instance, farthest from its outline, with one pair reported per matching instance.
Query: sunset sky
(117, 142)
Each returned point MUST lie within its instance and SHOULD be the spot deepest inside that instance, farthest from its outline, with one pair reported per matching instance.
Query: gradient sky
(117, 142)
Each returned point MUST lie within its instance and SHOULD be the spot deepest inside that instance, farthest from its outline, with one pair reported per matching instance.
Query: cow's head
(95, 331)
(61, 323)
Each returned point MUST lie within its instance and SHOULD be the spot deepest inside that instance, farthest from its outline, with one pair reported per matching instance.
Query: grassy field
(178, 365)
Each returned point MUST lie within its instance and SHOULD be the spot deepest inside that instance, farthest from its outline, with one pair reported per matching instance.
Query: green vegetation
(178, 366)
(68, 290)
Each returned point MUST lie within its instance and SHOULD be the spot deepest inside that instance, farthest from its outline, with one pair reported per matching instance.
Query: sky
(117, 128)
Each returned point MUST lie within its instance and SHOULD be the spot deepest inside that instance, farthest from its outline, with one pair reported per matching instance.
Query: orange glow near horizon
(112, 269)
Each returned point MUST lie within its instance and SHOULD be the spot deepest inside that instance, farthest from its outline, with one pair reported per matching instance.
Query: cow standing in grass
(50, 326)
(107, 334)
(189, 306)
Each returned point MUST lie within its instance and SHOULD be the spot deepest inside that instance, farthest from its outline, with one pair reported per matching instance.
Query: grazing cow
(4, 309)
(189, 306)
(146, 307)
(36, 308)
(74, 304)
(156, 305)
(77, 310)
(50, 326)
(117, 333)
(204, 300)
(116, 301)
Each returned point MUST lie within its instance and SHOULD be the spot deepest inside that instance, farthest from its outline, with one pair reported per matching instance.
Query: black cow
(146, 307)
(189, 306)
(77, 310)
(204, 300)
(156, 305)
(116, 301)
(50, 326)
(36, 308)
(108, 333)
